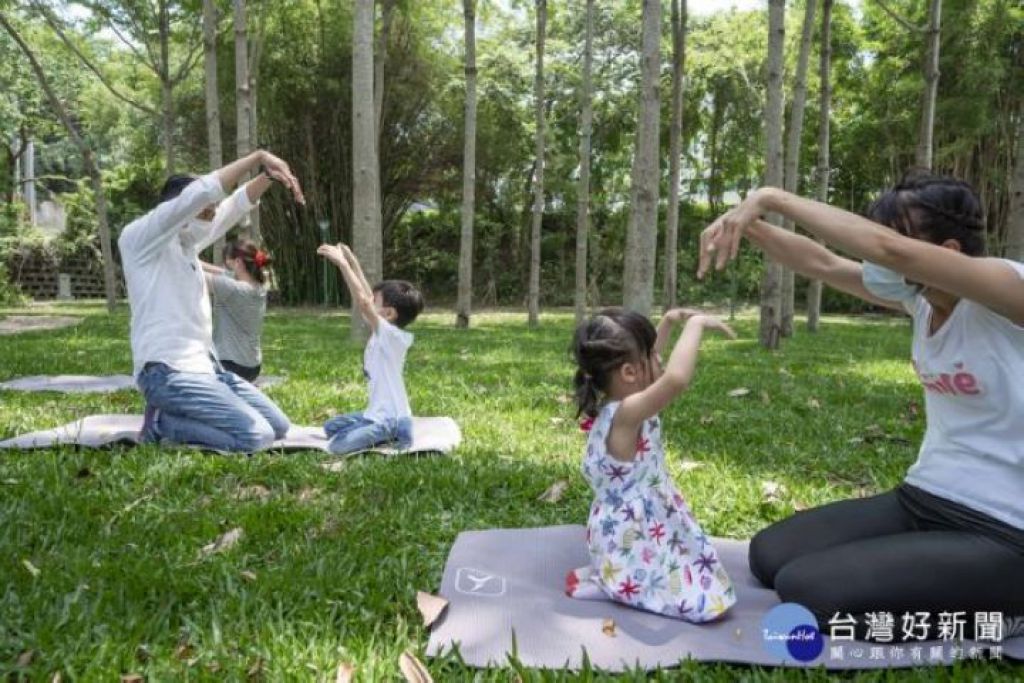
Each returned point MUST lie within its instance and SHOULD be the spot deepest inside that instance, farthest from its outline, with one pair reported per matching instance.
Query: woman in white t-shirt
(950, 538)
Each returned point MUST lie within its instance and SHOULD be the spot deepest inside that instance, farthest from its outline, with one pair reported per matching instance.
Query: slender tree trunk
(538, 177)
(255, 53)
(366, 233)
(243, 94)
(717, 115)
(674, 157)
(215, 151)
(824, 106)
(379, 67)
(924, 152)
(465, 300)
(88, 162)
(792, 166)
(642, 230)
(583, 192)
(166, 86)
(771, 281)
(1015, 217)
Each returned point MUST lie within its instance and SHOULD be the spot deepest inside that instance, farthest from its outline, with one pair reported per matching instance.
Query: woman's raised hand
(720, 241)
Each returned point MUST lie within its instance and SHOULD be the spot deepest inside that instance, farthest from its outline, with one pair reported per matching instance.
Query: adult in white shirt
(950, 538)
(189, 397)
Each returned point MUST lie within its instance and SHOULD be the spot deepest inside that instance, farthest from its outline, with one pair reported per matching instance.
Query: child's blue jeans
(351, 433)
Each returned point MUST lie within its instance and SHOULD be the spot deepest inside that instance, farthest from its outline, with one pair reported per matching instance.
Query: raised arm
(987, 281)
(675, 379)
(357, 268)
(360, 295)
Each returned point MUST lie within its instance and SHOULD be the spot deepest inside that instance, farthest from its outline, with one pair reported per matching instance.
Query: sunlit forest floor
(101, 569)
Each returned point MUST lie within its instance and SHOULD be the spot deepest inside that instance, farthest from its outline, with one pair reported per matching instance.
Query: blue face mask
(887, 284)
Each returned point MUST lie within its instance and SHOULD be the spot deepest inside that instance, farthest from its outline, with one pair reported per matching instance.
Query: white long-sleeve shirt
(171, 321)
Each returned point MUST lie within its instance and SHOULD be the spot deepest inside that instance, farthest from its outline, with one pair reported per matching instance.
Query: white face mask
(195, 230)
(887, 284)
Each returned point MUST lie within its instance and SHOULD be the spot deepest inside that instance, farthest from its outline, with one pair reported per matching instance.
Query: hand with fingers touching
(332, 253)
(720, 241)
(279, 170)
(712, 322)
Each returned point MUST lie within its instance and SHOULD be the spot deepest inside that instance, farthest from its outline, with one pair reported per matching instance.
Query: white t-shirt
(972, 370)
(171, 320)
(383, 364)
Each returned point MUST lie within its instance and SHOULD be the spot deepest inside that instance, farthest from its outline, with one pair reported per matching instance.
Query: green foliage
(10, 295)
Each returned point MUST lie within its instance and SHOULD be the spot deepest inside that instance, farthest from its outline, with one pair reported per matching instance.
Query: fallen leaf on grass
(687, 465)
(335, 466)
(57, 678)
(707, 419)
(608, 627)
(184, 650)
(771, 491)
(132, 678)
(254, 492)
(564, 399)
(224, 542)
(32, 569)
(255, 671)
(813, 404)
(346, 673)
(739, 392)
(143, 654)
(307, 494)
(248, 575)
(557, 421)
(9, 482)
(554, 492)
(413, 670)
(431, 607)
(25, 658)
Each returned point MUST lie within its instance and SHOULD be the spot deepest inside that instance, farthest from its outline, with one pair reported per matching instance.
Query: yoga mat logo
(790, 631)
(477, 582)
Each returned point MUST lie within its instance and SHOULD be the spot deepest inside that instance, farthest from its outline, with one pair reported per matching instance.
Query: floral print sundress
(646, 549)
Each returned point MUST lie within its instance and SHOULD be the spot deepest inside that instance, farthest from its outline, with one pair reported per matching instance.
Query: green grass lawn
(330, 562)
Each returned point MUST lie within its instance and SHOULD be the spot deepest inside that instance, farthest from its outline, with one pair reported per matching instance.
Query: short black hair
(402, 296)
(601, 345)
(175, 185)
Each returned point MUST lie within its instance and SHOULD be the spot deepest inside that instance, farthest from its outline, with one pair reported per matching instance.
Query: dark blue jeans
(351, 433)
(220, 411)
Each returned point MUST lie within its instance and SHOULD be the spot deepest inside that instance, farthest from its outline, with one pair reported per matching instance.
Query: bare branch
(55, 24)
(189, 63)
(902, 21)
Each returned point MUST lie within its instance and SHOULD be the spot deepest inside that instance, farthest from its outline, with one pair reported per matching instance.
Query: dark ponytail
(252, 257)
(602, 345)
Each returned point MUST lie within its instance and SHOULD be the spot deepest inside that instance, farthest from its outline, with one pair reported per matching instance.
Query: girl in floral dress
(646, 549)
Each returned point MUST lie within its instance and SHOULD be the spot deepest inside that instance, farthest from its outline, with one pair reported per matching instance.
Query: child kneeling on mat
(646, 549)
(387, 308)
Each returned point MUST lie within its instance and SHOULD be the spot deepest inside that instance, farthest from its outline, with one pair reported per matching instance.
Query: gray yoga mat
(90, 384)
(508, 583)
(430, 434)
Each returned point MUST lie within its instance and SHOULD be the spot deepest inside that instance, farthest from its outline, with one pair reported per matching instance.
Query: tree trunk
(538, 176)
(465, 300)
(583, 192)
(109, 281)
(825, 104)
(215, 151)
(923, 154)
(255, 53)
(642, 230)
(674, 159)
(1015, 217)
(166, 86)
(243, 99)
(792, 166)
(366, 233)
(771, 281)
(381, 55)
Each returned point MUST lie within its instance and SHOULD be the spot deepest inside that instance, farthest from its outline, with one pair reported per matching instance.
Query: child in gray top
(239, 297)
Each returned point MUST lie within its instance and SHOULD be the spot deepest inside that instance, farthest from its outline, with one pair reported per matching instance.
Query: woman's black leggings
(898, 552)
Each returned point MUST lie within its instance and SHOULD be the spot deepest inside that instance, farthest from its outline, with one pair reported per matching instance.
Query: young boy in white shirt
(387, 308)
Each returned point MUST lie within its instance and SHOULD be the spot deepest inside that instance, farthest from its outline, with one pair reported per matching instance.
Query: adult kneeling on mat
(190, 398)
(950, 538)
